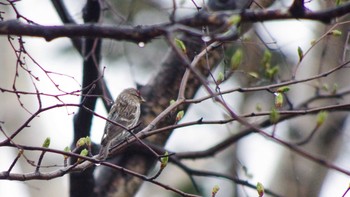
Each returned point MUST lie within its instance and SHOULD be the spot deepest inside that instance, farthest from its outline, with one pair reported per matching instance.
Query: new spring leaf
(272, 72)
(164, 160)
(84, 153)
(300, 54)
(260, 189)
(266, 59)
(321, 118)
(181, 45)
(278, 100)
(179, 115)
(66, 149)
(88, 141)
(234, 19)
(236, 59)
(336, 32)
(81, 142)
(220, 78)
(172, 101)
(215, 190)
(46, 143)
(283, 89)
(274, 116)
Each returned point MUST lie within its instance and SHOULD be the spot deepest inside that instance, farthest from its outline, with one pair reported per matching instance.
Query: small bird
(126, 111)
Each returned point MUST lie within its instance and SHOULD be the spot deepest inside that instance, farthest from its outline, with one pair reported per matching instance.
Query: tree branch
(82, 184)
(147, 33)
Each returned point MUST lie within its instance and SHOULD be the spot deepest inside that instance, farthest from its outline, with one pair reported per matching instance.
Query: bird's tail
(103, 154)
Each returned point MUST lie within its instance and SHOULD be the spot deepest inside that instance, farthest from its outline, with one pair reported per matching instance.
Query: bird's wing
(125, 115)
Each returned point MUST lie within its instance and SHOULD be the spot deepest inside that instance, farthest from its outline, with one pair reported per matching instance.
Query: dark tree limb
(82, 184)
(297, 9)
(147, 33)
(66, 18)
(77, 43)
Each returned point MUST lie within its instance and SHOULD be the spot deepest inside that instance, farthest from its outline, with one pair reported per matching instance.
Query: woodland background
(229, 136)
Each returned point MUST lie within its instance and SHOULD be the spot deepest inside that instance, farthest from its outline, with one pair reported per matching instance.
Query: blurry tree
(183, 55)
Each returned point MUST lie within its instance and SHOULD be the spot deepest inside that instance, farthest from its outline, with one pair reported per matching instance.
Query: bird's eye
(138, 93)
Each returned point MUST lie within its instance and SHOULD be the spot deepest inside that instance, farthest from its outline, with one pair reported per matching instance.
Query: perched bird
(126, 111)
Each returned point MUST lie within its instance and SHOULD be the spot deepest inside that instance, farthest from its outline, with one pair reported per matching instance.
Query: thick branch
(147, 33)
(82, 184)
(66, 18)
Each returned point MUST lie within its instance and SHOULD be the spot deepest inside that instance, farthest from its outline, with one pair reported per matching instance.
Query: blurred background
(254, 158)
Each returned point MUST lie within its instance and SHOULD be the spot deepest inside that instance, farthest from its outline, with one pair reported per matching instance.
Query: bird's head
(132, 93)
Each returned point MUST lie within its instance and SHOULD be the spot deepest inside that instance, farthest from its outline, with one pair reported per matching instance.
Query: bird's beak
(142, 99)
